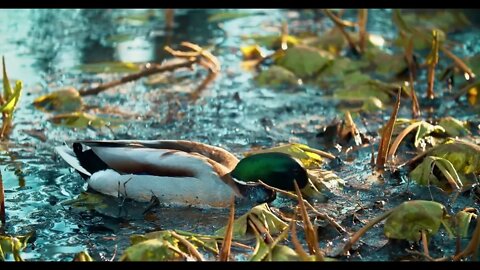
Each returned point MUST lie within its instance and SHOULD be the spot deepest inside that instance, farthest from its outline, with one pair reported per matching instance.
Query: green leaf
(109, 67)
(64, 100)
(273, 41)
(276, 76)
(7, 88)
(464, 156)
(241, 228)
(304, 61)
(410, 218)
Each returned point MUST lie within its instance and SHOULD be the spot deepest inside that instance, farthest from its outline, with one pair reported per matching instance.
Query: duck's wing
(216, 154)
(69, 156)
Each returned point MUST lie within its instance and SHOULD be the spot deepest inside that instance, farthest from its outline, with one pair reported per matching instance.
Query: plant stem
(189, 245)
(132, 77)
(2, 202)
(227, 240)
(362, 28)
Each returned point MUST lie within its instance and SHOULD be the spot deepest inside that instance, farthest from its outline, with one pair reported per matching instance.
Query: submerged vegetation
(385, 124)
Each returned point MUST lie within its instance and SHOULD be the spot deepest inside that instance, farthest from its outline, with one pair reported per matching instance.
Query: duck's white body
(185, 174)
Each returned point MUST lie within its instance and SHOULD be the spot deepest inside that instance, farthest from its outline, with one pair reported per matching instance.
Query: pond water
(43, 48)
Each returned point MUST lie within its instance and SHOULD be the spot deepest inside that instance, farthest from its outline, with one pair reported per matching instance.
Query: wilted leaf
(109, 67)
(262, 212)
(82, 120)
(65, 100)
(276, 76)
(301, 151)
(82, 256)
(304, 61)
(411, 217)
(462, 221)
(325, 180)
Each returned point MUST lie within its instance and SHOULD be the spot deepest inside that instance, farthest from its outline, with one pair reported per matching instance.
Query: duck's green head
(274, 169)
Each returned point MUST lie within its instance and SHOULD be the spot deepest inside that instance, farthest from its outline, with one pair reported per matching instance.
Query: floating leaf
(262, 212)
(385, 63)
(64, 100)
(88, 201)
(304, 61)
(109, 67)
(303, 152)
(82, 120)
(446, 20)
(410, 218)
(276, 76)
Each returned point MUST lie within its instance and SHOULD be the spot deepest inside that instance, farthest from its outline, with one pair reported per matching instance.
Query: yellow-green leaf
(462, 221)
(7, 88)
(64, 100)
(151, 250)
(300, 151)
(9, 106)
(82, 120)
(454, 127)
(83, 256)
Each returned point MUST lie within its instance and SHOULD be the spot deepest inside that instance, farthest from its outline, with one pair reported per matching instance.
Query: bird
(181, 172)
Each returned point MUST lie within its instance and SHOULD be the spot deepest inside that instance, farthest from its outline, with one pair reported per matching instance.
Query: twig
(189, 245)
(227, 240)
(459, 62)
(432, 61)
(296, 243)
(362, 28)
(260, 228)
(340, 25)
(323, 216)
(210, 77)
(132, 77)
(310, 233)
(338, 20)
(364, 229)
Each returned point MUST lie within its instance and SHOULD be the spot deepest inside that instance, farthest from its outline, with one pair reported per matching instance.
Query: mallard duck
(180, 172)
